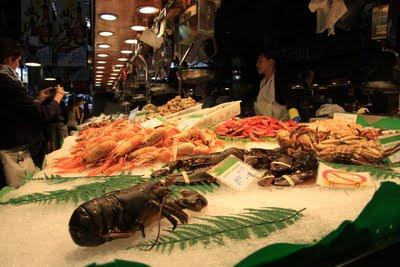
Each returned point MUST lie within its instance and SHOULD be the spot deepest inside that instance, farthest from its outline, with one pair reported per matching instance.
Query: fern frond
(253, 222)
(58, 179)
(78, 193)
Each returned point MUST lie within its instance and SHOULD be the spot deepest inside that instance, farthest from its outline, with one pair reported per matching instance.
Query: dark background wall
(243, 28)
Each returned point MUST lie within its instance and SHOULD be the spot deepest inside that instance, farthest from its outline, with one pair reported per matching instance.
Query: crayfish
(121, 213)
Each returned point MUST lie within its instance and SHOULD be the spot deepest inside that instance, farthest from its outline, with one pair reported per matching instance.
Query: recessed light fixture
(99, 76)
(138, 28)
(100, 67)
(103, 45)
(97, 85)
(50, 79)
(131, 41)
(33, 64)
(148, 10)
(106, 33)
(119, 65)
(109, 16)
(101, 62)
(102, 55)
(99, 71)
(113, 78)
(116, 70)
(122, 59)
(98, 80)
(126, 51)
(114, 74)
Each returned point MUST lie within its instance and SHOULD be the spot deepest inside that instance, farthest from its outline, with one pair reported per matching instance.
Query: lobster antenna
(159, 223)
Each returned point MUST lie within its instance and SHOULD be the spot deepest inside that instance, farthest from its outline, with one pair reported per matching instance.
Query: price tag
(154, 122)
(189, 121)
(350, 118)
(235, 173)
(132, 115)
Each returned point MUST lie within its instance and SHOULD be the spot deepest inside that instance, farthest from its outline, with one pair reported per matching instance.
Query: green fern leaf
(253, 222)
(78, 193)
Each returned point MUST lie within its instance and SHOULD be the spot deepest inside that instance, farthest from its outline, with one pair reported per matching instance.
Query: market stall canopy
(116, 31)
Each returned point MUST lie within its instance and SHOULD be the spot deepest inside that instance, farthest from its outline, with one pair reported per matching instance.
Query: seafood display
(174, 105)
(350, 144)
(281, 169)
(254, 128)
(121, 213)
(290, 170)
(125, 146)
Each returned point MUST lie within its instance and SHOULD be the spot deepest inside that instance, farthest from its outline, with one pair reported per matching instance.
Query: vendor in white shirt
(271, 99)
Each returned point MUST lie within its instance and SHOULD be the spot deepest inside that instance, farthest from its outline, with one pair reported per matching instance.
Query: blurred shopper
(80, 103)
(74, 114)
(21, 116)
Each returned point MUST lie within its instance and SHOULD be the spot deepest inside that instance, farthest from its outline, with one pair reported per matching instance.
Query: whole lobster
(121, 213)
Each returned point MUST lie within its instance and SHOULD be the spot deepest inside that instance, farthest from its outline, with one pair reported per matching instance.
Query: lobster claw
(191, 200)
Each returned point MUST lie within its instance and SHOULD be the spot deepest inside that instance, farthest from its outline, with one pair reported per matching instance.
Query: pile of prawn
(123, 146)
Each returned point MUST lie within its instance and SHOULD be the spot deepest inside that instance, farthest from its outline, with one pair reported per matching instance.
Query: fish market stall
(279, 216)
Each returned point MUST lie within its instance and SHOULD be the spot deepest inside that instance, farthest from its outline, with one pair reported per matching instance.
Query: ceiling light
(114, 74)
(98, 80)
(122, 59)
(49, 79)
(116, 70)
(148, 9)
(126, 51)
(138, 28)
(100, 67)
(112, 78)
(106, 33)
(131, 41)
(119, 65)
(99, 71)
(101, 62)
(103, 45)
(109, 16)
(102, 55)
(33, 64)
(99, 76)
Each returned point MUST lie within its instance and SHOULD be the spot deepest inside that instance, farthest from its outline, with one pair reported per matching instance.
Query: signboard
(380, 22)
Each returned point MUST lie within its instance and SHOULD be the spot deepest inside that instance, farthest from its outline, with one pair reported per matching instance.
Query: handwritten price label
(235, 173)
(157, 121)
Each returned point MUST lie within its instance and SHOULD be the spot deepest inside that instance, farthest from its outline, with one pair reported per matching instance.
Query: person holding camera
(22, 116)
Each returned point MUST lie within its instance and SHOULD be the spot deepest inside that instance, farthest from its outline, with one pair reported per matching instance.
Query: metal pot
(196, 75)
(381, 86)
(383, 95)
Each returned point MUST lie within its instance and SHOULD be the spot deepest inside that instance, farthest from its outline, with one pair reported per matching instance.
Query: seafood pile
(253, 127)
(120, 214)
(125, 146)
(349, 144)
(174, 105)
(281, 169)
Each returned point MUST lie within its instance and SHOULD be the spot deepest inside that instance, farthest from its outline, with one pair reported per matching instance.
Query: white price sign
(154, 122)
(235, 173)
(132, 115)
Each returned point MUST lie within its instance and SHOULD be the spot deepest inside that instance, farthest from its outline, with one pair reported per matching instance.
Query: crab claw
(191, 200)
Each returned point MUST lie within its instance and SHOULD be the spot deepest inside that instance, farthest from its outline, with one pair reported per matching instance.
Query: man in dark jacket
(22, 117)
